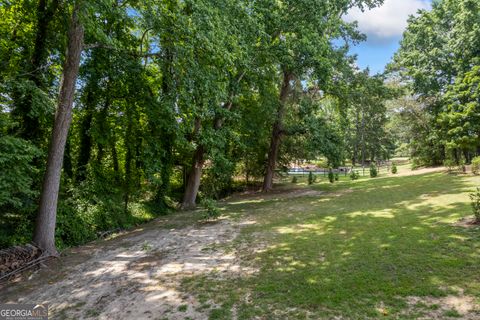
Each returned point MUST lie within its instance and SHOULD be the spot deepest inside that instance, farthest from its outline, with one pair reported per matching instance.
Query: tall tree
(301, 39)
(439, 48)
(44, 235)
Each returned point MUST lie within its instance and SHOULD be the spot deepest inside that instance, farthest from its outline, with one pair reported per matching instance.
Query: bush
(294, 179)
(394, 168)
(373, 171)
(476, 204)
(453, 165)
(211, 210)
(450, 164)
(336, 176)
(311, 178)
(354, 175)
(476, 165)
(331, 176)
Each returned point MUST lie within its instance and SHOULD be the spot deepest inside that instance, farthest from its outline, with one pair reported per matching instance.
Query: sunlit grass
(358, 251)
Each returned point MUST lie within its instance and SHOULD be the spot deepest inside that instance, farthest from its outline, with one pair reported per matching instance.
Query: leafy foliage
(212, 212)
(438, 59)
(331, 176)
(476, 165)
(354, 175)
(475, 197)
(167, 89)
(311, 178)
(394, 168)
(373, 170)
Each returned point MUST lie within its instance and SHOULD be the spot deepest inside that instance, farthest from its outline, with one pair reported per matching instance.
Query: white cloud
(389, 20)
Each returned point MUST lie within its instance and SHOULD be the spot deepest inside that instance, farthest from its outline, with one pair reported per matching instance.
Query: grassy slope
(356, 252)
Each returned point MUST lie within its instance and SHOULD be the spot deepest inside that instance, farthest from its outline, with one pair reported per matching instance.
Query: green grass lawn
(361, 250)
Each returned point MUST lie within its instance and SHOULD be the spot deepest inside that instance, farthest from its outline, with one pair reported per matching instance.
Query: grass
(358, 251)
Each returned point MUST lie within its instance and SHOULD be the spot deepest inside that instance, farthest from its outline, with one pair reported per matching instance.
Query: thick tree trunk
(277, 133)
(44, 235)
(195, 174)
(193, 180)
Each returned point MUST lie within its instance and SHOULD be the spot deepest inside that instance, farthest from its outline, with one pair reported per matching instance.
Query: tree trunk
(363, 139)
(44, 235)
(129, 155)
(85, 138)
(195, 174)
(67, 158)
(193, 180)
(276, 134)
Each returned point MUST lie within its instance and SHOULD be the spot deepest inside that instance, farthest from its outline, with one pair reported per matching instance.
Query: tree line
(114, 111)
(437, 119)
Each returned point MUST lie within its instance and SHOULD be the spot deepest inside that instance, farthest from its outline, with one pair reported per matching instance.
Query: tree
(461, 119)
(301, 34)
(44, 235)
(438, 49)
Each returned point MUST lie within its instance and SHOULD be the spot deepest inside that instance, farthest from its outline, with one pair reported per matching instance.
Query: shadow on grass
(387, 240)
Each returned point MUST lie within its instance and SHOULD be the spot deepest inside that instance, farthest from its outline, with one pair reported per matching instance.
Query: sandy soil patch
(467, 222)
(420, 171)
(138, 278)
(276, 194)
(452, 306)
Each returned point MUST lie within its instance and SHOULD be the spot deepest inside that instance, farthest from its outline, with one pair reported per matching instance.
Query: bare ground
(136, 276)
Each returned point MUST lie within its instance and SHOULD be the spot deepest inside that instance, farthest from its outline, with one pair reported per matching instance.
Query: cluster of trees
(111, 103)
(438, 66)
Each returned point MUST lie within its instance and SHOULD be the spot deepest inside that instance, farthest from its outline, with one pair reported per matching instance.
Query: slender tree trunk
(116, 164)
(363, 139)
(276, 134)
(67, 158)
(128, 158)
(44, 235)
(85, 138)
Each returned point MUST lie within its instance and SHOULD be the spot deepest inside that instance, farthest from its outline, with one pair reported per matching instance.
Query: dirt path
(420, 171)
(135, 277)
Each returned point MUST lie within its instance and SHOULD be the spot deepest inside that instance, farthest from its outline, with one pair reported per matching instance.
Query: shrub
(394, 168)
(476, 165)
(450, 164)
(331, 176)
(373, 171)
(311, 178)
(211, 210)
(294, 179)
(476, 204)
(336, 176)
(354, 175)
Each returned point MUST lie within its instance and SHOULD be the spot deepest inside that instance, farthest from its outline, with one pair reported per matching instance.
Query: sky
(384, 27)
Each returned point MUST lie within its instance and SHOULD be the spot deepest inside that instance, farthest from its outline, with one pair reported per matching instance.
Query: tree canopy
(171, 102)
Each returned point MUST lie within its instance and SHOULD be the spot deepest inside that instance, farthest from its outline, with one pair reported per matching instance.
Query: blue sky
(384, 27)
